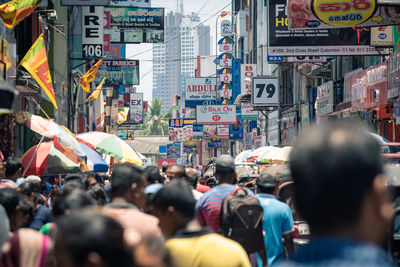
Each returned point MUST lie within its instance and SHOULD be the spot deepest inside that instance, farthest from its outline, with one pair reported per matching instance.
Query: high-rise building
(175, 60)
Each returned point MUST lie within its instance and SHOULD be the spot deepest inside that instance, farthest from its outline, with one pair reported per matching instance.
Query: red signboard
(168, 161)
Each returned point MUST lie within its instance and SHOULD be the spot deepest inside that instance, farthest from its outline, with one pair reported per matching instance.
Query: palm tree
(157, 123)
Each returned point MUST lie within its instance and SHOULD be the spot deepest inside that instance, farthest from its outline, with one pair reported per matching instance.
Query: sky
(207, 10)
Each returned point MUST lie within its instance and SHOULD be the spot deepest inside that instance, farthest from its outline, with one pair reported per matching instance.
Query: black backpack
(242, 220)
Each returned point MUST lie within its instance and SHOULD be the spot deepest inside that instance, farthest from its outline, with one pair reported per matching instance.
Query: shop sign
(181, 122)
(200, 89)
(118, 72)
(273, 128)
(248, 113)
(223, 131)
(314, 41)
(136, 24)
(265, 91)
(85, 2)
(174, 150)
(169, 162)
(92, 31)
(136, 108)
(382, 36)
(394, 75)
(376, 84)
(325, 98)
(216, 114)
(305, 115)
(247, 71)
(322, 14)
(197, 131)
(226, 28)
(302, 59)
(209, 131)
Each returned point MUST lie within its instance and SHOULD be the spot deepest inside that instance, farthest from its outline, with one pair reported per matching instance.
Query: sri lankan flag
(122, 114)
(35, 62)
(15, 11)
(89, 76)
(96, 93)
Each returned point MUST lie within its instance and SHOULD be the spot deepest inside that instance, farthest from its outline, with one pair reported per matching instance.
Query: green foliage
(157, 123)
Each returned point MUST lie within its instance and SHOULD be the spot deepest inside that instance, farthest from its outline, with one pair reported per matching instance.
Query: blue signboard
(194, 103)
(235, 79)
(236, 130)
(162, 149)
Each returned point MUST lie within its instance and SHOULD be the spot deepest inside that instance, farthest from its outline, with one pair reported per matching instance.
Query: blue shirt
(278, 220)
(336, 252)
(41, 216)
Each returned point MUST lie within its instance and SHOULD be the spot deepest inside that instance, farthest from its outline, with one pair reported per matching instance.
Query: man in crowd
(278, 221)
(208, 207)
(175, 172)
(341, 192)
(189, 243)
(128, 197)
(14, 169)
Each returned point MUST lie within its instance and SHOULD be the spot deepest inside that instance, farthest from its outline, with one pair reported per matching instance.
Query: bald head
(176, 172)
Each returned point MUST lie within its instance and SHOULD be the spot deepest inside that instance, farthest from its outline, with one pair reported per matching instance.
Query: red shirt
(202, 188)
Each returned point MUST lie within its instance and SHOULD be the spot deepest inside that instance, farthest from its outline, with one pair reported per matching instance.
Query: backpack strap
(237, 189)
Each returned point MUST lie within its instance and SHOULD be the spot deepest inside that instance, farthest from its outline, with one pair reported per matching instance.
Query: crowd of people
(181, 217)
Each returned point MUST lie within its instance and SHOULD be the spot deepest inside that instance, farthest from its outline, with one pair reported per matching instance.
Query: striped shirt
(208, 207)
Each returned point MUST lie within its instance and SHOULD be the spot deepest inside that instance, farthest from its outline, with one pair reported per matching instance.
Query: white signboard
(92, 31)
(224, 48)
(247, 71)
(222, 131)
(85, 2)
(225, 63)
(382, 36)
(136, 107)
(265, 91)
(226, 78)
(130, 3)
(325, 98)
(225, 93)
(216, 114)
(226, 28)
(248, 113)
(200, 89)
(273, 128)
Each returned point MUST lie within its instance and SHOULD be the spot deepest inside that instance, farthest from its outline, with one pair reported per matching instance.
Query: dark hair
(192, 178)
(266, 184)
(76, 180)
(9, 199)
(153, 175)
(123, 176)
(26, 207)
(178, 194)
(12, 166)
(96, 176)
(73, 200)
(84, 232)
(180, 170)
(328, 160)
(98, 194)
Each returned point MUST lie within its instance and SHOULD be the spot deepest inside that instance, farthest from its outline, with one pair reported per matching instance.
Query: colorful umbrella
(225, 40)
(95, 162)
(225, 86)
(111, 145)
(242, 156)
(283, 155)
(267, 157)
(50, 158)
(225, 71)
(226, 102)
(225, 56)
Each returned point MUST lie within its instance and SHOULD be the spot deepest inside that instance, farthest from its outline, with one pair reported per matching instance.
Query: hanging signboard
(130, 3)
(314, 42)
(248, 113)
(325, 98)
(136, 25)
(136, 109)
(200, 89)
(226, 28)
(305, 115)
(265, 92)
(92, 31)
(247, 72)
(236, 130)
(177, 123)
(118, 72)
(223, 131)
(322, 14)
(225, 48)
(382, 36)
(216, 114)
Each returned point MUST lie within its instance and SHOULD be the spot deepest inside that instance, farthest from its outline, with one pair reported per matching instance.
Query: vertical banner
(92, 31)
(396, 37)
(235, 79)
(247, 72)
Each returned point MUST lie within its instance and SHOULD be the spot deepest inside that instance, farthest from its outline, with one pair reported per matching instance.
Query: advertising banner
(118, 72)
(376, 83)
(322, 14)
(248, 113)
(216, 114)
(197, 131)
(184, 133)
(223, 131)
(136, 25)
(247, 71)
(126, 134)
(130, 3)
(236, 130)
(200, 89)
(136, 108)
(347, 85)
(85, 2)
(92, 31)
(394, 75)
(273, 128)
(314, 42)
(325, 98)
(181, 122)
(209, 131)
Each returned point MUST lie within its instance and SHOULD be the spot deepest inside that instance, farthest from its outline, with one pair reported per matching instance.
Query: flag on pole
(35, 62)
(97, 92)
(89, 76)
(15, 11)
(122, 114)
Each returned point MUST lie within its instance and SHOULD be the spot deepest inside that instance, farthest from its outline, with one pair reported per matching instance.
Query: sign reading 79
(265, 91)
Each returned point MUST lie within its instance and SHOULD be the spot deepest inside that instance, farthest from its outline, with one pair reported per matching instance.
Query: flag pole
(34, 154)
(40, 108)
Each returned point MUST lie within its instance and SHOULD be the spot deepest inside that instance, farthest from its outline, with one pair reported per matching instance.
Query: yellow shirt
(207, 250)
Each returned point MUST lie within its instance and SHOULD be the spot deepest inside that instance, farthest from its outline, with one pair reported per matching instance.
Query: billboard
(325, 98)
(314, 42)
(216, 114)
(199, 89)
(130, 3)
(136, 108)
(118, 72)
(322, 14)
(92, 31)
(85, 2)
(136, 25)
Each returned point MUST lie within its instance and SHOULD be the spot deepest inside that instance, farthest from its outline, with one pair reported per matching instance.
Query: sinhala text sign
(85, 2)
(130, 3)
(314, 42)
(200, 89)
(216, 114)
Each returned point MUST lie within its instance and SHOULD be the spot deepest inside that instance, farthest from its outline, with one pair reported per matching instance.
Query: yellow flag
(97, 92)
(89, 76)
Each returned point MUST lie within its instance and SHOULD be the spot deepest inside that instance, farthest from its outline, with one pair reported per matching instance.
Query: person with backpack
(235, 209)
(190, 243)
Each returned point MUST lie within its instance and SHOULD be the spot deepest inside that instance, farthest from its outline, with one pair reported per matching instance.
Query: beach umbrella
(50, 158)
(112, 145)
(95, 161)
